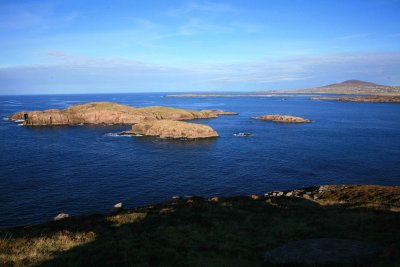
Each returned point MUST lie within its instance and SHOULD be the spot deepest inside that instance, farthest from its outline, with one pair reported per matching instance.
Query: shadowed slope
(208, 232)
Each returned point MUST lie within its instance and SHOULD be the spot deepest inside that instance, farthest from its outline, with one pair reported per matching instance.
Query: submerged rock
(173, 129)
(242, 134)
(108, 113)
(283, 118)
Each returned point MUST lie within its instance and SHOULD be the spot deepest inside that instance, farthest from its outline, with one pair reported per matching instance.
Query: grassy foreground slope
(233, 231)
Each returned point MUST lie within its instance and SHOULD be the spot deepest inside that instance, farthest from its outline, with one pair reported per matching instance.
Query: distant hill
(354, 87)
(350, 87)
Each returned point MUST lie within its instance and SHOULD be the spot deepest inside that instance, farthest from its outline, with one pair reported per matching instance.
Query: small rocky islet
(282, 118)
(172, 129)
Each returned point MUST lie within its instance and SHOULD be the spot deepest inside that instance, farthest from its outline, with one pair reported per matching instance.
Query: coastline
(249, 226)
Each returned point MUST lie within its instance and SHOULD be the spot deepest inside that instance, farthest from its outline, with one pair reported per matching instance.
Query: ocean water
(86, 169)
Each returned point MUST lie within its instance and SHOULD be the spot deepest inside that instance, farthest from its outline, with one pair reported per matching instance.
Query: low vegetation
(212, 232)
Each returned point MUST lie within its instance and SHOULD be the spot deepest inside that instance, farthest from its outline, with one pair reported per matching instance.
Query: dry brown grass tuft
(126, 218)
(28, 251)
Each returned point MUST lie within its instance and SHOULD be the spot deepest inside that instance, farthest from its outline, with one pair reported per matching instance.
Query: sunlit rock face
(109, 113)
(173, 129)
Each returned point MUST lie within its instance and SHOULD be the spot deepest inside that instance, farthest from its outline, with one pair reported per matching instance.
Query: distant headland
(367, 98)
(354, 87)
(350, 87)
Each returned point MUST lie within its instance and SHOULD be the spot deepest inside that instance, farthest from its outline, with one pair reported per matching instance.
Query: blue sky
(142, 46)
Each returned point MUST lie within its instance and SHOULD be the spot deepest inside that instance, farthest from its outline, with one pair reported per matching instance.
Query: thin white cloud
(35, 16)
(248, 26)
(64, 71)
(256, 79)
(307, 68)
(355, 36)
(197, 26)
(57, 58)
(201, 7)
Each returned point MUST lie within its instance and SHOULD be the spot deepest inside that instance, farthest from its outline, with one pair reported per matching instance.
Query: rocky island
(172, 129)
(282, 118)
(164, 122)
(110, 113)
(333, 225)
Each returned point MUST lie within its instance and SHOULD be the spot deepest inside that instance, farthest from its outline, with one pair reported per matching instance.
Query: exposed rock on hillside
(173, 129)
(376, 196)
(282, 118)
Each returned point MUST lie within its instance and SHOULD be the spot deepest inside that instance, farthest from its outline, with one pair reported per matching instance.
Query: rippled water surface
(86, 169)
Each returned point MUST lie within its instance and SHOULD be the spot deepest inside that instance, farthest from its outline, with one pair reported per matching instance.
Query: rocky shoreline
(343, 224)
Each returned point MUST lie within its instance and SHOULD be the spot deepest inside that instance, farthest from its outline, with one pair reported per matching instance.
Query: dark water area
(84, 169)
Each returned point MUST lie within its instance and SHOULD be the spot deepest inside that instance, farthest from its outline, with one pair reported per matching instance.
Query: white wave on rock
(117, 135)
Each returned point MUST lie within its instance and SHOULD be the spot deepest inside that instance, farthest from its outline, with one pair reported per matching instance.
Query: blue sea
(86, 169)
